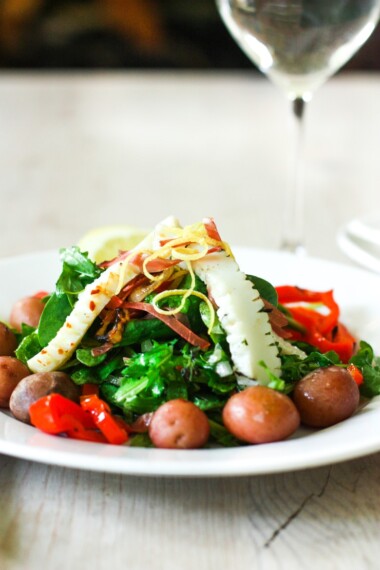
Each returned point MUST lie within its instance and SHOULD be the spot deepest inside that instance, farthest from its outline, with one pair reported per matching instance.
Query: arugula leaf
(275, 382)
(177, 389)
(222, 436)
(173, 370)
(365, 360)
(80, 264)
(84, 376)
(85, 356)
(265, 289)
(28, 347)
(364, 356)
(143, 362)
(112, 364)
(53, 316)
(294, 368)
(141, 440)
(217, 334)
(138, 330)
(26, 330)
(371, 385)
(209, 402)
(77, 272)
(191, 305)
(214, 369)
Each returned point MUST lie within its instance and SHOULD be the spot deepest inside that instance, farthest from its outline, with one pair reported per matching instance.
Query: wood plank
(327, 517)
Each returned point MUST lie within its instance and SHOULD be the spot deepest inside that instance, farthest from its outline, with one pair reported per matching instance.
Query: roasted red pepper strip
(288, 294)
(55, 414)
(89, 389)
(343, 343)
(77, 431)
(104, 420)
(324, 332)
(356, 374)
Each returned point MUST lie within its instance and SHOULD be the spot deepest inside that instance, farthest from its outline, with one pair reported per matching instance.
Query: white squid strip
(240, 310)
(91, 301)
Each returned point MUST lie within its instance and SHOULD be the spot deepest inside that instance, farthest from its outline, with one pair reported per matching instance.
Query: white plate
(358, 295)
(360, 241)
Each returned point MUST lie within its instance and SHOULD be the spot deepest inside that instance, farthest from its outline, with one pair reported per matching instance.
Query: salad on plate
(171, 345)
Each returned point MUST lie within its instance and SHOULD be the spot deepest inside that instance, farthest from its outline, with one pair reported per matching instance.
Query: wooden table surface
(79, 151)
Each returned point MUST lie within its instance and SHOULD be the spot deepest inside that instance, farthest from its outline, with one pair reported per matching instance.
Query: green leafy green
(111, 365)
(138, 330)
(221, 435)
(84, 376)
(275, 381)
(141, 440)
(85, 356)
(265, 289)
(77, 272)
(217, 333)
(294, 368)
(175, 370)
(365, 360)
(28, 347)
(209, 402)
(54, 314)
(191, 305)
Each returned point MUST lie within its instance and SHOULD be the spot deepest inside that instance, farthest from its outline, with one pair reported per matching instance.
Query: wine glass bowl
(299, 44)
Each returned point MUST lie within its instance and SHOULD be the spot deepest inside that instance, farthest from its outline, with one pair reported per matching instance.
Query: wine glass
(299, 44)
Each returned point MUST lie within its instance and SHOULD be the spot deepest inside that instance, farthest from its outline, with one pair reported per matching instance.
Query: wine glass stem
(293, 213)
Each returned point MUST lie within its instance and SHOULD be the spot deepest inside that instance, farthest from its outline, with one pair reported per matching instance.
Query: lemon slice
(104, 243)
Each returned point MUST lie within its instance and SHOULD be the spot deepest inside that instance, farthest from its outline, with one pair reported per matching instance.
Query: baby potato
(179, 424)
(260, 415)
(12, 371)
(326, 396)
(27, 310)
(8, 341)
(36, 386)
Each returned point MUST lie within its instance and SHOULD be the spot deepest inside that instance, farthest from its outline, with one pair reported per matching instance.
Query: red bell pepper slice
(289, 294)
(356, 374)
(77, 431)
(55, 414)
(325, 332)
(104, 420)
(88, 389)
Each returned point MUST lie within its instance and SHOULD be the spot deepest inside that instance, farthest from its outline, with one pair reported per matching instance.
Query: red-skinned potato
(260, 415)
(27, 310)
(36, 386)
(8, 341)
(326, 396)
(12, 371)
(179, 424)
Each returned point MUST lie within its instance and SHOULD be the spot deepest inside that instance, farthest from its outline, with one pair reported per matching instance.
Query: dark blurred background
(147, 34)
